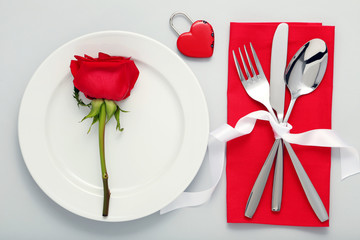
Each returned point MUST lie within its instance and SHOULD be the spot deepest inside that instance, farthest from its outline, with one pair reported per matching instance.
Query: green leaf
(77, 98)
(95, 108)
(95, 119)
(110, 107)
(124, 111)
(117, 117)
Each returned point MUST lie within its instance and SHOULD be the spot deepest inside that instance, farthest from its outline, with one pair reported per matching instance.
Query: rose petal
(84, 59)
(74, 67)
(133, 76)
(103, 55)
(88, 57)
(106, 77)
(112, 79)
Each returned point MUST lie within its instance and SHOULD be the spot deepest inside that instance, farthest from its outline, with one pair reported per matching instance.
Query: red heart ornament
(198, 42)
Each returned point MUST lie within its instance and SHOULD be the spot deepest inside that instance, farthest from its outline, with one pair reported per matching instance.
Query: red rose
(105, 77)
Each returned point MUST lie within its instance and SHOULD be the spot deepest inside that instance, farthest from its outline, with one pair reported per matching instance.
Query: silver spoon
(302, 76)
(305, 70)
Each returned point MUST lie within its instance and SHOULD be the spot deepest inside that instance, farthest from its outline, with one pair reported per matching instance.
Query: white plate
(149, 164)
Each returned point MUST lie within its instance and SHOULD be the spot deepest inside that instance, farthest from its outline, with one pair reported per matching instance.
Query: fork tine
(242, 78)
(244, 65)
(250, 64)
(257, 62)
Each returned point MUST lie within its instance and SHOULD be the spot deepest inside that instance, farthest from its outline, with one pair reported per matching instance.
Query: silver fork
(257, 87)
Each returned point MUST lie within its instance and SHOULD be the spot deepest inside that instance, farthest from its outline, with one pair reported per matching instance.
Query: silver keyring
(179, 13)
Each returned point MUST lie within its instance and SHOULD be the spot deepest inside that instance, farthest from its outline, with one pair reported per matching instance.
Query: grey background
(31, 30)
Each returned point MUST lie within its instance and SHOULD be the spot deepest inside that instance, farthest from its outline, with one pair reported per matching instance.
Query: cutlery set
(302, 76)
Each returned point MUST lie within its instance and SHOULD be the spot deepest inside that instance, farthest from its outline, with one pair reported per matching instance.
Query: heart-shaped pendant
(198, 42)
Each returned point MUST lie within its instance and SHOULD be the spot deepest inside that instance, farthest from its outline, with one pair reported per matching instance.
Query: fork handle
(309, 189)
(258, 188)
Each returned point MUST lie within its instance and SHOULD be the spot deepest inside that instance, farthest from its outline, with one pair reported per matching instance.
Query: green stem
(102, 122)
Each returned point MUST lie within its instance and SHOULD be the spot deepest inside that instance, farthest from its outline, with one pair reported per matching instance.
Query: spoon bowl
(306, 70)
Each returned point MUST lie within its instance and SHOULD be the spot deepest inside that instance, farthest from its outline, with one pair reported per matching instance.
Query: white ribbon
(350, 163)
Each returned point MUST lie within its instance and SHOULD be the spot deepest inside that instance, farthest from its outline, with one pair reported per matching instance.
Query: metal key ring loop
(179, 13)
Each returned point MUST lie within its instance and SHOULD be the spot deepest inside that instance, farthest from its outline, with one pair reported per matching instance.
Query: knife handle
(278, 179)
(309, 189)
(258, 188)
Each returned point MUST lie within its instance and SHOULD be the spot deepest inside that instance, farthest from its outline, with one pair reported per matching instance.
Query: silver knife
(277, 98)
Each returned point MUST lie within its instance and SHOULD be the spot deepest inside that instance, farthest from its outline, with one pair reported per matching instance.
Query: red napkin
(246, 155)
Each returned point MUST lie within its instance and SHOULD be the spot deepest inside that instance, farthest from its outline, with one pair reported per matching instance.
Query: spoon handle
(289, 110)
(309, 189)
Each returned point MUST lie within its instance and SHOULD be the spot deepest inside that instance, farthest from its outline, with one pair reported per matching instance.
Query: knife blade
(278, 65)
(277, 100)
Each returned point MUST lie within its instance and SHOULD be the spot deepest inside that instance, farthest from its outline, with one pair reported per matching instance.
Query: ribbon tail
(350, 163)
(216, 158)
(349, 157)
(188, 199)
